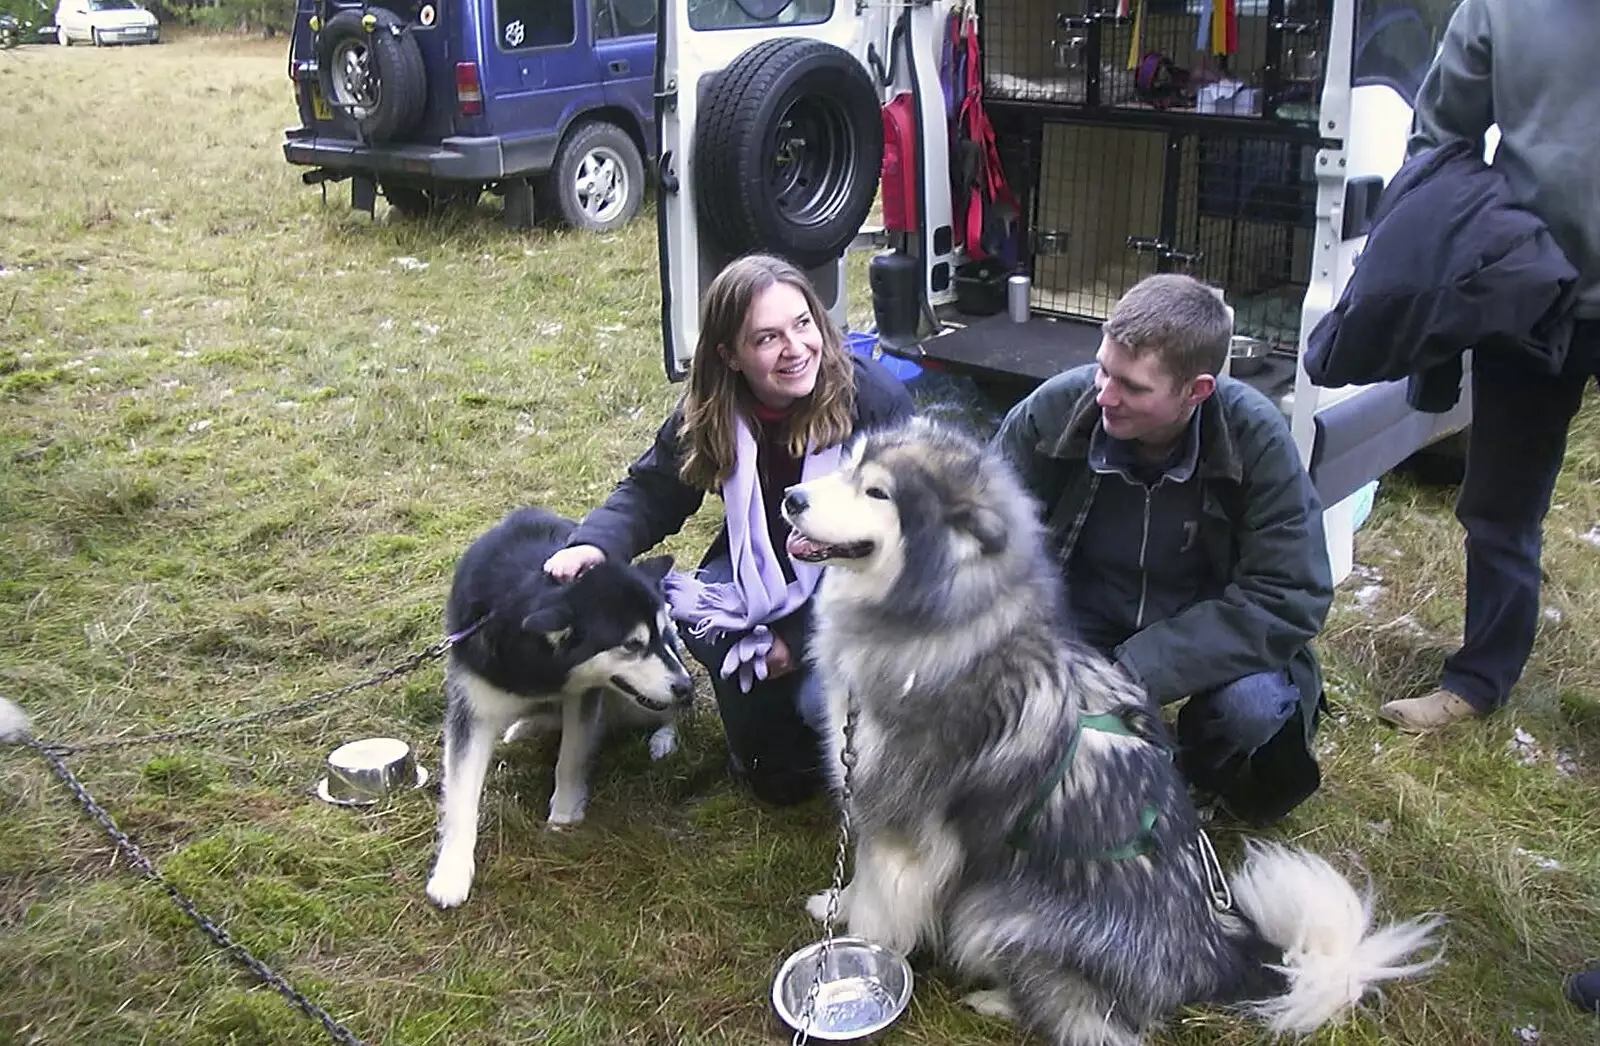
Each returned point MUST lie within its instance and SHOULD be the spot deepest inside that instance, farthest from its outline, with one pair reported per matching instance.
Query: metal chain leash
(409, 664)
(234, 949)
(847, 756)
(53, 755)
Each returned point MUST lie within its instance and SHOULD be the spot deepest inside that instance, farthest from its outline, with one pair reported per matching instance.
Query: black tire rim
(813, 161)
(356, 88)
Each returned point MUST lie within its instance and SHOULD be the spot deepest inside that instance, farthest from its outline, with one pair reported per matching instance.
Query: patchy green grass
(241, 444)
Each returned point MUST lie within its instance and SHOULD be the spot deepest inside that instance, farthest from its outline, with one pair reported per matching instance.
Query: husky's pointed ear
(550, 616)
(985, 525)
(655, 568)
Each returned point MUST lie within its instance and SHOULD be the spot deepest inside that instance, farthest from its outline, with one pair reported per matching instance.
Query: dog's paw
(991, 1003)
(451, 882)
(817, 905)
(516, 731)
(663, 742)
(566, 812)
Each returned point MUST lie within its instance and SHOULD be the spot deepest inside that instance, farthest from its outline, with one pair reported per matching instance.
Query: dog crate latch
(1164, 250)
(1050, 241)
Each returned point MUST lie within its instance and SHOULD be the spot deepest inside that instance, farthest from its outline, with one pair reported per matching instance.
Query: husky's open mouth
(806, 550)
(649, 703)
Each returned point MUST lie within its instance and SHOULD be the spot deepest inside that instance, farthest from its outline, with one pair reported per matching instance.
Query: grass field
(243, 437)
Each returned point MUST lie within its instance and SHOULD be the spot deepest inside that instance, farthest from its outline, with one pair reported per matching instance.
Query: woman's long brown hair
(718, 394)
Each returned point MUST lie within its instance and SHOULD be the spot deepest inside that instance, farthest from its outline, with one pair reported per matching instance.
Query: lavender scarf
(758, 592)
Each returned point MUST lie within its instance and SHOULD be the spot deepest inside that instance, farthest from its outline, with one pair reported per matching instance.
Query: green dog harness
(1140, 845)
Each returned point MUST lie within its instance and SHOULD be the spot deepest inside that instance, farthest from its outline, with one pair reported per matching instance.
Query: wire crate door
(1101, 198)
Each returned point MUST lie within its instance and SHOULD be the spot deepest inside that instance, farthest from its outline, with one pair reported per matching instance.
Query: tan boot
(1419, 715)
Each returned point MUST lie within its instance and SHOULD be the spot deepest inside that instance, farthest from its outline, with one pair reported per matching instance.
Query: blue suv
(548, 103)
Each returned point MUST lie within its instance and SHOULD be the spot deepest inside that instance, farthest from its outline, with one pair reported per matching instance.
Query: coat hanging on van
(985, 208)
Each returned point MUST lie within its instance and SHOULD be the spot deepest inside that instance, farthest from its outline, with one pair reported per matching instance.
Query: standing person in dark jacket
(1191, 539)
(772, 396)
(1522, 65)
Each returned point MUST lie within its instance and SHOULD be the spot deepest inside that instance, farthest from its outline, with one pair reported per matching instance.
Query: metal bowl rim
(407, 752)
(323, 790)
(1243, 346)
(808, 952)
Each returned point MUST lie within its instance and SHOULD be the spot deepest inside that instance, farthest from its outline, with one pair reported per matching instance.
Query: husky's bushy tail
(1332, 954)
(13, 721)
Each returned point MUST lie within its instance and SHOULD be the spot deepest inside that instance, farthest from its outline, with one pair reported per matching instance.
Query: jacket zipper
(1144, 547)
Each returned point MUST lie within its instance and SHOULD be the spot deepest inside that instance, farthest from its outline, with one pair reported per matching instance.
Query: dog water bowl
(864, 988)
(362, 772)
(1247, 356)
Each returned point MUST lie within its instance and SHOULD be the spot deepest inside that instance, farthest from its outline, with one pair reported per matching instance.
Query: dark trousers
(774, 744)
(1518, 439)
(1245, 743)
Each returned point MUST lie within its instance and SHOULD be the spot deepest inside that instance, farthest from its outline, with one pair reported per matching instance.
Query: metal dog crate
(1111, 204)
(1082, 53)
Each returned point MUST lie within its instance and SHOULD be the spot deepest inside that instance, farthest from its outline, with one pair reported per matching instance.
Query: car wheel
(1442, 463)
(787, 151)
(597, 182)
(371, 73)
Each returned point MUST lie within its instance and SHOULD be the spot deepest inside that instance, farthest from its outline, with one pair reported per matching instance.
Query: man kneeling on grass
(1191, 538)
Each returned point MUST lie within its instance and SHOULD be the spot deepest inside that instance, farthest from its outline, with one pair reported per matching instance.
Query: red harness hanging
(978, 191)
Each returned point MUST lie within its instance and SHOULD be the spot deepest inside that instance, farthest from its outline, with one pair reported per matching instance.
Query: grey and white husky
(583, 656)
(1016, 807)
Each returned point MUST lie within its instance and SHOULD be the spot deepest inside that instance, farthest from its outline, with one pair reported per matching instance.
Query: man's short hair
(1177, 317)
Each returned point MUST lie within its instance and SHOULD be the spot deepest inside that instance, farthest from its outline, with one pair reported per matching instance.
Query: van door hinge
(666, 177)
(669, 96)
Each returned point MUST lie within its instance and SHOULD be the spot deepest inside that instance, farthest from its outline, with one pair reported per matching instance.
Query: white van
(1129, 145)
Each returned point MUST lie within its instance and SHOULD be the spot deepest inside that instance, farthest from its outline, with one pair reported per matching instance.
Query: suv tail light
(469, 96)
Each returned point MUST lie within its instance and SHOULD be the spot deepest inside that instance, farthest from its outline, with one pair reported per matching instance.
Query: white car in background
(105, 22)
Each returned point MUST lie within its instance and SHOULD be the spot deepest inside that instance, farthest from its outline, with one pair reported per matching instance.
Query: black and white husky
(1015, 805)
(593, 653)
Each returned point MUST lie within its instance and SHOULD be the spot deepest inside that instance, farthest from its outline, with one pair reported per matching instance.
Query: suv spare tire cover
(394, 67)
(787, 150)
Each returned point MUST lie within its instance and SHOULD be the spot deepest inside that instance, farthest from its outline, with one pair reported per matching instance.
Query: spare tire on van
(371, 72)
(787, 150)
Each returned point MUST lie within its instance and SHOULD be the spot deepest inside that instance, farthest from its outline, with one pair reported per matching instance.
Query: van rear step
(996, 347)
(999, 350)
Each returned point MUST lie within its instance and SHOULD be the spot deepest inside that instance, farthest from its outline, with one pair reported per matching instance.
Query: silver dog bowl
(1247, 355)
(362, 772)
(865, 987)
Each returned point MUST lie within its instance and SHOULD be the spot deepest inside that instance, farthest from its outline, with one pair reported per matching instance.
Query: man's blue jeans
(1222, 726)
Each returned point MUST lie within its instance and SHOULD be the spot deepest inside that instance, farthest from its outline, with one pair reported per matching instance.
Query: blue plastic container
(865, 344)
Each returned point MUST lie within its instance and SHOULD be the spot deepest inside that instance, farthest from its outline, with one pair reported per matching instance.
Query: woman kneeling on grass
(772, 396)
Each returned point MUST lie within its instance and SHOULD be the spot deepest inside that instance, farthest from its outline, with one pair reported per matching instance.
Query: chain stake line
(847, 757)
(219, 936)
(53, 755)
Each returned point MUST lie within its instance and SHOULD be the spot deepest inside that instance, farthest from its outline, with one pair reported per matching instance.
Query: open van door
(770, 132)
